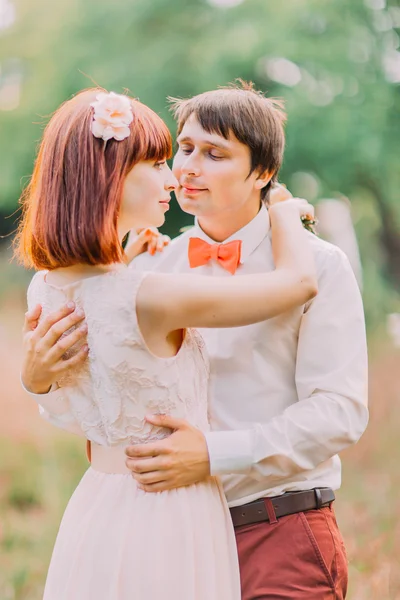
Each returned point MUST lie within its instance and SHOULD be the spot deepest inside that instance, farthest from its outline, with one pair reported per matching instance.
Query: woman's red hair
(71, 205)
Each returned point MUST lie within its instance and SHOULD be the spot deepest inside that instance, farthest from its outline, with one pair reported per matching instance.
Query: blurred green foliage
(335, 63)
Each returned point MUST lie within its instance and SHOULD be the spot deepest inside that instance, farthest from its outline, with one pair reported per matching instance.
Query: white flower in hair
(112, 116)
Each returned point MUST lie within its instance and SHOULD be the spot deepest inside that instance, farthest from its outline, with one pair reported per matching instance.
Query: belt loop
(318, 497)
(270, 510)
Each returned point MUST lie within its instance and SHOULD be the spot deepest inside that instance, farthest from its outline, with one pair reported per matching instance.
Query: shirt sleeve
(55, 408)
(331, 380)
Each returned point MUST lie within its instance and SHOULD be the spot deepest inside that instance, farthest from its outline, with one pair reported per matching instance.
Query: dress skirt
(117, 542)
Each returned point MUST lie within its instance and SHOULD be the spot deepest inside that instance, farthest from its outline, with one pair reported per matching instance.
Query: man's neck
(222, 226)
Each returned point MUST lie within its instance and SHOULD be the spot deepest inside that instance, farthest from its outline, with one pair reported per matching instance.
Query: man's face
(213, 173)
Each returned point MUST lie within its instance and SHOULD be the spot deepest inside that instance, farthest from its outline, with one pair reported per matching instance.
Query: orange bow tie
(227, 255)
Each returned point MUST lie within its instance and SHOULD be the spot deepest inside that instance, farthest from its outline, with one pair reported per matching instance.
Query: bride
(100, 172)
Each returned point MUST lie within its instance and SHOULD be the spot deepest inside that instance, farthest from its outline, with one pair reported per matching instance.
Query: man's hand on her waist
(178, 460)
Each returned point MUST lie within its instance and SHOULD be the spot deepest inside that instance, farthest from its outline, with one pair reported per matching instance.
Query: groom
(285, 395)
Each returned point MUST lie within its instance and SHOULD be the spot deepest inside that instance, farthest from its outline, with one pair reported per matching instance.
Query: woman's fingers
(301, 206)
(152, 246)
(157, 242)
(166, 240)
(308, 210)
(149, 239)
(304, 207)
(279, 193)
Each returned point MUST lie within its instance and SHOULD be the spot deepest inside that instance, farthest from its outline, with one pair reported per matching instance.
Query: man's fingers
(147, 465)
(75, 361)
(161, 486)
(58, 323)
(65, 343)
(32, 318)
(60, 348)
(166, 421)
(146, 450)
(53, 318)
(149, 478)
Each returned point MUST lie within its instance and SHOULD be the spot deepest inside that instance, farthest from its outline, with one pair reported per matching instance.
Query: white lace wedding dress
(115, 541)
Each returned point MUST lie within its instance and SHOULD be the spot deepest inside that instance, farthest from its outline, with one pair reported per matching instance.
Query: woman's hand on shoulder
(292, 206)
(148, 239)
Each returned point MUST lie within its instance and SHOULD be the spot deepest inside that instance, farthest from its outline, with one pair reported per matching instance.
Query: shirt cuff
(54, 388)
(229, 451)
(53, 402)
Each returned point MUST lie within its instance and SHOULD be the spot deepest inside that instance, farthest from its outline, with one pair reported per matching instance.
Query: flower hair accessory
(111, 117)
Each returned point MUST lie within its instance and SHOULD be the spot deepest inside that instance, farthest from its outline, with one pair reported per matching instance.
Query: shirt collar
(251, 234)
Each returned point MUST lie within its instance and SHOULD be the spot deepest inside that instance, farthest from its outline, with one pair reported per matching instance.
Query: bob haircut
(71, 205)
(255, 120)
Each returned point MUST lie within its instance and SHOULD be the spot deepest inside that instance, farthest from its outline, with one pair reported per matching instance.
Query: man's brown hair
(254, 119)
(71, 205)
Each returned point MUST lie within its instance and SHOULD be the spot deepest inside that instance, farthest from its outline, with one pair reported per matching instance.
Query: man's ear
(263, 179)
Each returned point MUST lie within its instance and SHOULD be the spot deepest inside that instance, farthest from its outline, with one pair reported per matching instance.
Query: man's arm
(331, 380)
(43, 363)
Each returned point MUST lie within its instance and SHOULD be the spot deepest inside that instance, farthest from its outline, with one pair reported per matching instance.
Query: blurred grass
(35, 485)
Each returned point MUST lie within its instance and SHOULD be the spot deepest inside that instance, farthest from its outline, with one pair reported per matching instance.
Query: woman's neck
(64, 275)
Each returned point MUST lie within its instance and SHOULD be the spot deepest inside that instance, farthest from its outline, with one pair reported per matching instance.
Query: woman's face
(146, 195)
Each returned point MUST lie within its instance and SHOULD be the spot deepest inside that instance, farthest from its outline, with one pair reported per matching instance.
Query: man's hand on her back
(44, 347)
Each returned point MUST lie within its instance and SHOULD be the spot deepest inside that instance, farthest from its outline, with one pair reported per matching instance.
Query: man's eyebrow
(209, 142)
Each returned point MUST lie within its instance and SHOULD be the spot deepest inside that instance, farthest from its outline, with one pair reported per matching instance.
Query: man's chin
(191, 207)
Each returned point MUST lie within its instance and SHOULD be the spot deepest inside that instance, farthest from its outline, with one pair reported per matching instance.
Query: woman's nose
(171, 182)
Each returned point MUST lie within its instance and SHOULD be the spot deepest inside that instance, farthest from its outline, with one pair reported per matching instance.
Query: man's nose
(190, 166)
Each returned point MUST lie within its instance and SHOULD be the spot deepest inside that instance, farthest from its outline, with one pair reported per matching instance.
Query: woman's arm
(171, 302)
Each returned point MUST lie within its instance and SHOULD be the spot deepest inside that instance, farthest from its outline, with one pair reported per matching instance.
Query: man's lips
(192, 190)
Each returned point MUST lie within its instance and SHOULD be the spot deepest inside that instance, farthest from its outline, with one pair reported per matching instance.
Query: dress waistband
(107, 459)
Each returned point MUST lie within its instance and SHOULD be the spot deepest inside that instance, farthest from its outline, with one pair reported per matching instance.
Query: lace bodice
(122, 381)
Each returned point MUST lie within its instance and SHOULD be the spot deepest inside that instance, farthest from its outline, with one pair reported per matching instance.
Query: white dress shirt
(285, 395)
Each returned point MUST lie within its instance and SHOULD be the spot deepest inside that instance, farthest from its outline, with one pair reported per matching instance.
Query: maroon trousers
(297, 557)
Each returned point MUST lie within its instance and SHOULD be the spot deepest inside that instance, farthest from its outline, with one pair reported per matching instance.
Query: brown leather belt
(286, 504)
